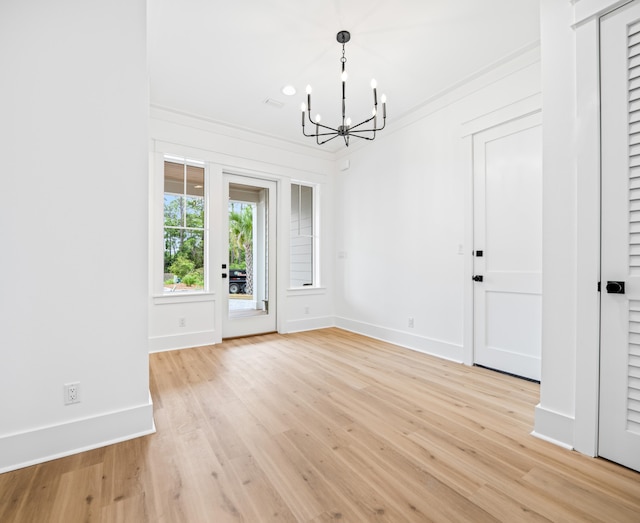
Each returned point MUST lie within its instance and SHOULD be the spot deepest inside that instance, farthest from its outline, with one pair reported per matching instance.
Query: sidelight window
(302, 240)
(184, 226)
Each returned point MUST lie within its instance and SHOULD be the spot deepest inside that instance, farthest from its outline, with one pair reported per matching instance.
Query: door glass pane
(248, 247)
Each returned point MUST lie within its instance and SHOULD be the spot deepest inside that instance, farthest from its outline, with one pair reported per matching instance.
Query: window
(184, 226)
(302, 236)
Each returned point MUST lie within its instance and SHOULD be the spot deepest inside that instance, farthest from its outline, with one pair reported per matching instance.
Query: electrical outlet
(182, 322)
(306, 310)
(411, 322)
(71, 393)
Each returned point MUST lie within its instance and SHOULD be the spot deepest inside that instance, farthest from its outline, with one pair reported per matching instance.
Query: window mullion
(184, 196)
(299, 209)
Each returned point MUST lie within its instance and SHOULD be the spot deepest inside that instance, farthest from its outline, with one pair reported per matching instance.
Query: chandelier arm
(328, 128)
(305, 133)
(353, 130)
(363, 137)
(363, 131)
(326, 134)
(325, 141)
(361, 123)
(321, 125)
(317, 125)
(314, 135)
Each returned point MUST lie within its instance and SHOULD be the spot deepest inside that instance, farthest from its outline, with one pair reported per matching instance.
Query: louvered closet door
(620, 328)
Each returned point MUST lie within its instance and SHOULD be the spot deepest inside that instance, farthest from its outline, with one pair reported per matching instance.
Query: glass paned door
(250, 292)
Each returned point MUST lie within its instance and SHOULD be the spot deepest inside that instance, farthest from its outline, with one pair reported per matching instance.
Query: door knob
(477, 277)
(615, 287)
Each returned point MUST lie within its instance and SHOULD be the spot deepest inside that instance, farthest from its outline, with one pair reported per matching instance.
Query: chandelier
(365, 129)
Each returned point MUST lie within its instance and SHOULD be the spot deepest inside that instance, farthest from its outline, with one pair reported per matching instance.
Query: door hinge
(599, 290)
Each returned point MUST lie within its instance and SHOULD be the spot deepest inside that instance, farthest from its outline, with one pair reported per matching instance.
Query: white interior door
(508, 247)
(619, 435)
(249, 273)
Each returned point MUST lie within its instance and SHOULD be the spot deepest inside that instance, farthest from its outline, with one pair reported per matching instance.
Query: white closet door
(508, 247)
(620, 312)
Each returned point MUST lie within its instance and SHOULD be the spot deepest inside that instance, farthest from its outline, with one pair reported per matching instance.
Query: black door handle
(615, 287)
(477, 277)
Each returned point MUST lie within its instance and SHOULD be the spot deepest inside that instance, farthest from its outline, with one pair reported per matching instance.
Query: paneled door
(508, 247)
(619, 434)
(249, 272)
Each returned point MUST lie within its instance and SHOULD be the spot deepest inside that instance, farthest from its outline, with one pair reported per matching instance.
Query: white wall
(554, 415)
(236, 151)
(402, 236)
(73, 132)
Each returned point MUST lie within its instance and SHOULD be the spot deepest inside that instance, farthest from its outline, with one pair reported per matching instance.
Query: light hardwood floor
(326, 426)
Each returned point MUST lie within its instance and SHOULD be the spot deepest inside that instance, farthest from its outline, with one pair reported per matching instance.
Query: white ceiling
(222, 59)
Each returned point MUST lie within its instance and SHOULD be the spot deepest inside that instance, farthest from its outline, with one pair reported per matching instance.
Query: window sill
(182, 297)
(306, 291)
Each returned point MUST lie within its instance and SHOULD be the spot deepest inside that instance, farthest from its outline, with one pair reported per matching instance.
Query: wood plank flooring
(326, 426)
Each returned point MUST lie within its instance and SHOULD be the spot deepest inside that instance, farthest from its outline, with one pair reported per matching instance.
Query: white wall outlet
(306, 310)
(71, 393)
(182, 322)
(410, 322)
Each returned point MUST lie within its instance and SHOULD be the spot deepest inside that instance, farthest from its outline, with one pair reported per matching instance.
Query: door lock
(615, 287)
(477, 277)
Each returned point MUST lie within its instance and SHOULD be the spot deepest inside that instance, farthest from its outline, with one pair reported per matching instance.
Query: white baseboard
(553, 427)
(322, 322)
(28, 448)
(181, 341)
(442, 349)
